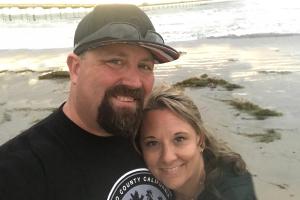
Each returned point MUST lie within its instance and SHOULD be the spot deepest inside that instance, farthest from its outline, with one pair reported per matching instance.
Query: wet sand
(267, 68)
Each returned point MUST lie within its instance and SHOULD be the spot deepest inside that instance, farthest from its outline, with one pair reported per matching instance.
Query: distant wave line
(254, 35)
(46, 6)
(145, 6)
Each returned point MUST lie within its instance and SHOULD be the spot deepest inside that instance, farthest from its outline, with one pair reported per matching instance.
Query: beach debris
(270, 136)
(205, 81)
(281, 186)
(6, 118)
(253, 109)
(274, 72)
(29, 109)
(24, 71)
(3, 71)
(17, 71)
(55, 75)
(274, 49)
(232, 60)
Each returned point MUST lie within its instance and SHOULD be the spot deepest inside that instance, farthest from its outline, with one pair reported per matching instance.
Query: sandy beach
(268, 68)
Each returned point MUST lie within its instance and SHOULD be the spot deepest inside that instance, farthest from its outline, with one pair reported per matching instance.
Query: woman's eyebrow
(148, 137)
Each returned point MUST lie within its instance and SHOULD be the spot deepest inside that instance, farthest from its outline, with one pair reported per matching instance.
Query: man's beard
(121, 121)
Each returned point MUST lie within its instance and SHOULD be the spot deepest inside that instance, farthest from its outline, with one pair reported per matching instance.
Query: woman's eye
(151, 143)
(180, 139)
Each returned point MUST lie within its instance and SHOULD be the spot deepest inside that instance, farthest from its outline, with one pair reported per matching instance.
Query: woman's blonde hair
(216, 155)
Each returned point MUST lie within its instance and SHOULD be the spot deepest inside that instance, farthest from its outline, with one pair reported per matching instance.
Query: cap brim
(161, 52)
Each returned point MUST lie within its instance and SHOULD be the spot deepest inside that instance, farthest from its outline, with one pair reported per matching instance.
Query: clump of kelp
(270, 136)
(6, 117)
(274, 72)
(18, 71)
(205, 81)
(253, 109)
(55, 75)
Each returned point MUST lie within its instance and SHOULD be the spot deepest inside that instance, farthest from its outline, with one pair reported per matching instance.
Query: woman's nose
(168, 154)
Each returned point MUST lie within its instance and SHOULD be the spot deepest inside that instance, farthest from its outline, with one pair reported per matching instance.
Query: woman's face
(171, 149)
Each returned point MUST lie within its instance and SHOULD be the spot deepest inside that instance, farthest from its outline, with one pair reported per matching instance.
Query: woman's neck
(188, 196)
(192, 190)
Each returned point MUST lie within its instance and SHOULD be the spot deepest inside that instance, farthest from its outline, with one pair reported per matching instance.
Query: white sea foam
(37, 28)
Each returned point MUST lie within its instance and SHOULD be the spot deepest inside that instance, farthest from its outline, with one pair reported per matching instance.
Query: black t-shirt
(56, 159)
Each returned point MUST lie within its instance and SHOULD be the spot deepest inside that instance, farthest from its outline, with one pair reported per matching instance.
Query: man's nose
(132, 77)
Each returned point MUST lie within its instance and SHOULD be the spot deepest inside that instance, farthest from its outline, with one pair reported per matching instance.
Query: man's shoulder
(20, 149)
(25, 160)
(16, 156)
(20, 169)
(18, 146)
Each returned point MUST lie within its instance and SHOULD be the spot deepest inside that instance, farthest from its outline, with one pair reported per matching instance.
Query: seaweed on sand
(55, 75)
(205, 81)
(253, 109)
(270, 136)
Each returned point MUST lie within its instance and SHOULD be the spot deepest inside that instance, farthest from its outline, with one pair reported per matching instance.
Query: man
(83, 150)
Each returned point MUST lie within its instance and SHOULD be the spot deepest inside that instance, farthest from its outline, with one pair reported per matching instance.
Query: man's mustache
(123, 90)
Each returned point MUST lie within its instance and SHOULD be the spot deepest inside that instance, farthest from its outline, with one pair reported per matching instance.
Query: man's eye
(146, 67)
(115, 62)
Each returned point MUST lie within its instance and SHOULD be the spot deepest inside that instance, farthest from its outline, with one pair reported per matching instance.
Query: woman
(182, 155)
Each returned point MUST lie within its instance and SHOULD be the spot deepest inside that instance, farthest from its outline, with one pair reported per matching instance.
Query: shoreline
(25, 99)
(89, 5)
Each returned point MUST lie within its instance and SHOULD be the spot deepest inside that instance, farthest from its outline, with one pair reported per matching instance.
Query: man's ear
(73, 62)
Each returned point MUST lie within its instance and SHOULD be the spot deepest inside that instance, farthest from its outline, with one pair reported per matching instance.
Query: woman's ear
(73, 62)
(201, 141)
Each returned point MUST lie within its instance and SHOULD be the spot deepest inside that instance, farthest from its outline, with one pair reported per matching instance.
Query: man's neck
(74, 117)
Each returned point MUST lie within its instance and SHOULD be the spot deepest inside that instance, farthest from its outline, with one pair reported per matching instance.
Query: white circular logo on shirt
(139, 184)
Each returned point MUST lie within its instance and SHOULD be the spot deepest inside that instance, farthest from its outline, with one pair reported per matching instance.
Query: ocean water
(37, 28)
